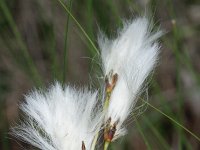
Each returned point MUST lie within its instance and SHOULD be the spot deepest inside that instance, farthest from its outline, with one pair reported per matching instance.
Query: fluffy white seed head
(132, 56)
(59, 119)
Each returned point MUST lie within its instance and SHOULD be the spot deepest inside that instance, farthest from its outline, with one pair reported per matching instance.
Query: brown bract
(109, 130)
(83, 146)
(110, 86)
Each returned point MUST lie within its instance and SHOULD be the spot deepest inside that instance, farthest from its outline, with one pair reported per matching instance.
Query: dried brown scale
(109, 133)
(110, 86)
(83, 146)
(110, 130)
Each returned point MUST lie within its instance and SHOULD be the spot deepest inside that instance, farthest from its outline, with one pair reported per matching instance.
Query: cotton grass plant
(71, 118)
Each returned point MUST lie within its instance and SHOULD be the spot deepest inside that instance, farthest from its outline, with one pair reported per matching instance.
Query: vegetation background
(40, 43)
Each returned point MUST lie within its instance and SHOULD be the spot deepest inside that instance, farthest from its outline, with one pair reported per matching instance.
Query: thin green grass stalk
(90, 32)
(168, 110)
(33, 71)
(176, 49)
(53, 57)
(166, 107)
(178, 88)
(160, 138)
(183, 57)
(185, 141)
(55, 71)
(80, 27)
(173, 120)
(65, 66)
(142, 134)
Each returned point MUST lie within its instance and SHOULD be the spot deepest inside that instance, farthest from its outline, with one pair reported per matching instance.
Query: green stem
(106, 145)
(106, 104)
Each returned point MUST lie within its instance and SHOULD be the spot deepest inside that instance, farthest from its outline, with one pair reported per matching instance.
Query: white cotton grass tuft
(131, 56)
(70, 119)
(60, 119)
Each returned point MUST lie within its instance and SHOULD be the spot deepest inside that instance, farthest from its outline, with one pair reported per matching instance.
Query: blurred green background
(40, 43)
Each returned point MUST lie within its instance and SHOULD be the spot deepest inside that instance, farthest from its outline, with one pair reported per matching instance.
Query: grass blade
(33, 71)
(172, 120)
(80, 27)
(65, 44)
(142, 134)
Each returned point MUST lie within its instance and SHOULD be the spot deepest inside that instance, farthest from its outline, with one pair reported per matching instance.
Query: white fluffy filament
(60, 119)
(131, 56)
